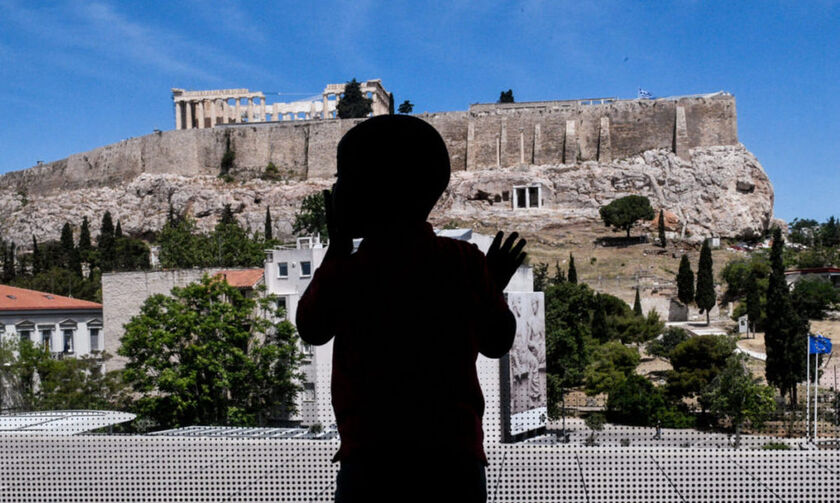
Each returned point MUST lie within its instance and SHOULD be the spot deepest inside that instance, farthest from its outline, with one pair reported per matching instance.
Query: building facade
(62, 325)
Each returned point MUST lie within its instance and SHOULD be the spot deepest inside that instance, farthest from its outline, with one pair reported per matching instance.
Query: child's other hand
(504, 259)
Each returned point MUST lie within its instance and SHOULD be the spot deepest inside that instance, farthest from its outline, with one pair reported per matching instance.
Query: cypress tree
(227, 216)
(637, 304)
(118, 231)
(786, 332)
(12, 257)
(36, 257)
(662, 241)
(84, 240)
(753, 300)
(685, 282)
(572, 269)
(67, 246)
(269, 232)
(390, 103)
(705, 292)
(353, 104)
(107, 243)
(559, 275)
(599, 321)
(7, 264)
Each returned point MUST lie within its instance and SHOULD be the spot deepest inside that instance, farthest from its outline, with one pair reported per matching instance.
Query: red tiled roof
(242, 278)
(21, 299)
(814, 270)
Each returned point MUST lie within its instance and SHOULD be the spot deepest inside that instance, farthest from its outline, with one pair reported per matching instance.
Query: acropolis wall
(486, 136)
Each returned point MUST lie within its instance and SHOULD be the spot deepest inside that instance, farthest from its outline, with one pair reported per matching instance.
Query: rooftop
(21, 299)
(242, 278)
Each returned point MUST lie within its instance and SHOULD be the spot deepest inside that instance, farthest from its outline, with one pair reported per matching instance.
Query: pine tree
(269, 232)
(637, 304)
(685, 282)
(786, 332)
(118, 231)
(84, 240)
(662, 241)
(227, 216)
(69, 253)
(353, 104)
(390, 103)
(572, 270)
(36, 257)
(107, 244)
(705, 292)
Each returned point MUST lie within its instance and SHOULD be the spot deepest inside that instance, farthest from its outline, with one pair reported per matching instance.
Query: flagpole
(807, 387)
(816, 388)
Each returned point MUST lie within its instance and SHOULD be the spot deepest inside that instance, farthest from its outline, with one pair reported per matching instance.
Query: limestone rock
(706, 194)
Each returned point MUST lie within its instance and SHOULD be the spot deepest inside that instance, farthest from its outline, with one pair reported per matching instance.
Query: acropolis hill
(525, 165)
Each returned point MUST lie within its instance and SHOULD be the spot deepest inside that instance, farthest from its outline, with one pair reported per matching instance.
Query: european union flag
(818, 345)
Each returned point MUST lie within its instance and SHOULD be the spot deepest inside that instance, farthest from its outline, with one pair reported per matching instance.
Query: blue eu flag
(818, 345)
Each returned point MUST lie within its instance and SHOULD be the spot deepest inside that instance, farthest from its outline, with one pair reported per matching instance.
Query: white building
(62, 325)
(288, 271)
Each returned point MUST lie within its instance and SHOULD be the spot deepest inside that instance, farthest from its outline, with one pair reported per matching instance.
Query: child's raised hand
(504, 259)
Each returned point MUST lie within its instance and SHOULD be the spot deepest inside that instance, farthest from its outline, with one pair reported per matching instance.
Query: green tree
(830, 233)
(232, 247)
(738, 397)
(612, 363)
(671, 338)
(181, 246)
(704, 296)
(85, 246)
(804, 231)
(506, 96)
(37, 261)
(572, 269)
(390, 103)
(637, 304)
(813, 297)
(207, 354)
(118, 233)
(406, 107)
(132, 254)
(786, 331)
(595, 422)
(540, 277)
(635, 401)
(634, 329)
(753, 302)
(662, 242)
(312, 217)
(69, 253)
(623, 213)
(8, 262)
(60, 281)
(600, 330)
(696, 362)
(106, 244)
(353, 104)
(269, 230)
(559, 275)
(685, 282)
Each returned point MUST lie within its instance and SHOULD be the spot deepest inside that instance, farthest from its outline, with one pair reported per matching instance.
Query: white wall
(52, 320)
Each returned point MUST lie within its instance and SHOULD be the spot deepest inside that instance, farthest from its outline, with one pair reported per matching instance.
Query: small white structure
(828, 274)
(288, 271)
(62, 325)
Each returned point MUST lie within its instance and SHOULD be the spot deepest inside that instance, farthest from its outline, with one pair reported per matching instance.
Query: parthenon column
(250, 109)
(262, 109)
(177, 115)
(238, 111)
(326, 106)
(199, 113)
(189, 114)
(212, 113)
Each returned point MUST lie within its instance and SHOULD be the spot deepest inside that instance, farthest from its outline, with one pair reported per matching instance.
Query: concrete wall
(484, 137)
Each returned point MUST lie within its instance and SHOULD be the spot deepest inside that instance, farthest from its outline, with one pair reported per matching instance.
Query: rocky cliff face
(721, 191)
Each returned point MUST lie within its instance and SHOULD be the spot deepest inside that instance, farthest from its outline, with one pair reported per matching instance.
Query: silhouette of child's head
(391, 171)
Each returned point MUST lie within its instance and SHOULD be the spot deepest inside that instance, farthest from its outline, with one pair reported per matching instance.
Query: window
(24, 330)
(527, 196)
(25, 335)
(94, 339)
(46, 336)
(282, 269)
(309, 392)
(305, 269)
(68, 340)
(306, 349)
(281, 304)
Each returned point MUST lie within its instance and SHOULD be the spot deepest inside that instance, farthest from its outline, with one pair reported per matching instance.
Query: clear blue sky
(79, 75)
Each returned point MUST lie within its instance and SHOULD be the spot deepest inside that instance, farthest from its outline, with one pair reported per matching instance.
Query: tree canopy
(704, 295)
(685, 281)
(406, 107)
(624, 212)
(506, 96)
(207, 354)
(696, 362)
(312, 217)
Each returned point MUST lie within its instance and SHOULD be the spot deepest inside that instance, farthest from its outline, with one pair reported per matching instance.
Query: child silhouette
(410, 312)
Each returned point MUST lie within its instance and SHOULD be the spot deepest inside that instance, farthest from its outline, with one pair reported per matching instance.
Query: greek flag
(818, 345)
(644, 94)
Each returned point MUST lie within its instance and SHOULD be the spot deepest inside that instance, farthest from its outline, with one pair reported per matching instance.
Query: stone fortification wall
(485, 137)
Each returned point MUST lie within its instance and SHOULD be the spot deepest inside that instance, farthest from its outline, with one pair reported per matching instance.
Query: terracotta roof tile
(242, 278)
(21, 299)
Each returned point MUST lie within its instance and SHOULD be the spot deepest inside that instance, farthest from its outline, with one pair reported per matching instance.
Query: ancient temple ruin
(206, 109)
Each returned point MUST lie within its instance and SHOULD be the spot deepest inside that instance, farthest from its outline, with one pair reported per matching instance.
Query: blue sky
(78, 75)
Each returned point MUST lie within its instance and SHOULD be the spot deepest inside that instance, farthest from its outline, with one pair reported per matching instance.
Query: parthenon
(206, 109)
